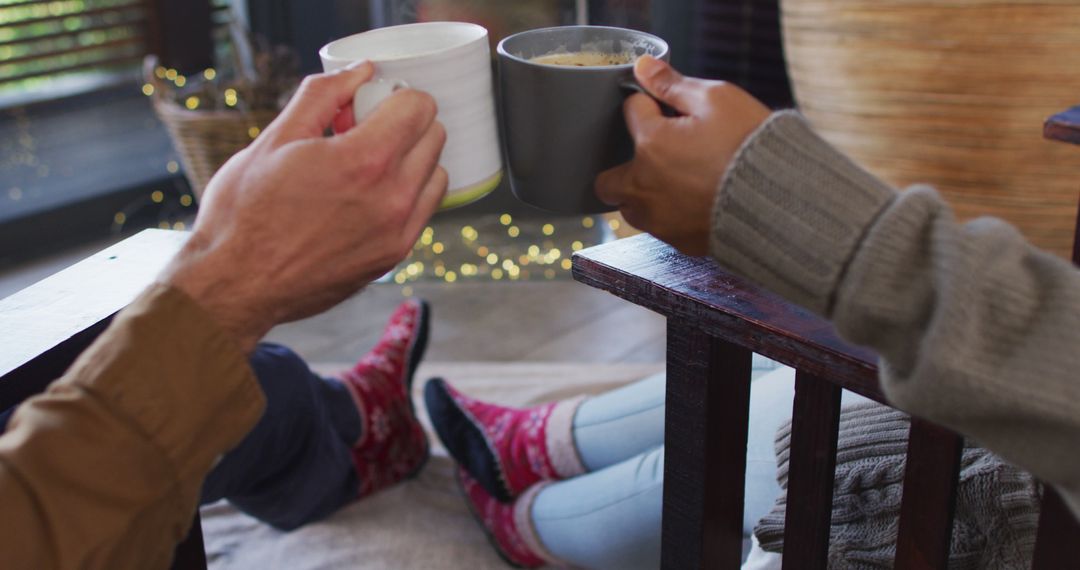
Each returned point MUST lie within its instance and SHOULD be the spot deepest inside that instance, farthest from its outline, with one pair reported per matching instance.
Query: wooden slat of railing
(815, 423)
(926, 517)
(707, 417)
(115, 44)
(1057, 544)
(136, 21)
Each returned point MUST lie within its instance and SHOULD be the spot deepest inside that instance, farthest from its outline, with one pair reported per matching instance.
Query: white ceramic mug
(452, 62)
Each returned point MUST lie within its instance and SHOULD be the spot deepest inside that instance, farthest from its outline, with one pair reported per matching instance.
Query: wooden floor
(552, 321)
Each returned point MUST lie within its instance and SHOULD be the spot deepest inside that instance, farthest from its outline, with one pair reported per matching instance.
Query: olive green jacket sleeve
(977, 329)
(105, 468)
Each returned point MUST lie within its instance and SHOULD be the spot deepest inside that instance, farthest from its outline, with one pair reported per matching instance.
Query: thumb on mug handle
(631, 85)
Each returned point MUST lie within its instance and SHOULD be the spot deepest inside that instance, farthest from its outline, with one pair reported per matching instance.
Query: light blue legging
(610, 516)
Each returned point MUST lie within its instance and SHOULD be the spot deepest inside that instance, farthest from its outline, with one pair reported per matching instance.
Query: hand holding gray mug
(561, 93)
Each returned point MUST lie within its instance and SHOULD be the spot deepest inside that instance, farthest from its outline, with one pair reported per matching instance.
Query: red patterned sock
(392, 444)
(507, 450)
(508, 527)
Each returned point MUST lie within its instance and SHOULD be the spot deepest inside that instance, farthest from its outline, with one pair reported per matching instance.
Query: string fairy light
(530, 249)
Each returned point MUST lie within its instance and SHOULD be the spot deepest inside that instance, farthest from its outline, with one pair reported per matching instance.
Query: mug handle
(632, 86)
(369, 95)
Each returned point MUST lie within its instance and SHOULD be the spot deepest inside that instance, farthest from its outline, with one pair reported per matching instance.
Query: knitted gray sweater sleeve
(977, 329)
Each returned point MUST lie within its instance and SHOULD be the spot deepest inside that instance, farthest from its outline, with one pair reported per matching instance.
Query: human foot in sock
(506, 450)
(508, 526)
(392, 444)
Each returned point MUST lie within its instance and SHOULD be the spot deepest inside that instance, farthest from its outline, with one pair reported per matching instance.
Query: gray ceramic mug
(564, 125)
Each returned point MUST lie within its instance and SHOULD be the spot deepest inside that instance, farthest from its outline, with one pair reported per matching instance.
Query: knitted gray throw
(997, 505)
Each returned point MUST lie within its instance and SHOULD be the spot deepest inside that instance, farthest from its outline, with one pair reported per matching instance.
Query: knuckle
(311, 83)
(663, 87)
(399, 209)
(441, 176)
(373, 163)
(419, 101)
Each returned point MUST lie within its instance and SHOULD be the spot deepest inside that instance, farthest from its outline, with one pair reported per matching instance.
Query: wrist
(203, 274)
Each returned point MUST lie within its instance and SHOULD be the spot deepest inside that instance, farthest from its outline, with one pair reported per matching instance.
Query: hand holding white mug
(451, 61)
(297, 222)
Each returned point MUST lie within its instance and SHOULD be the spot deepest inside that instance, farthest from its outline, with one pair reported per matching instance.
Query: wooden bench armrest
(650, 273)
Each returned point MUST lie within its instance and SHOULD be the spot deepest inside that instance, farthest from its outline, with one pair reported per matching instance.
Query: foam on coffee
(585, 59)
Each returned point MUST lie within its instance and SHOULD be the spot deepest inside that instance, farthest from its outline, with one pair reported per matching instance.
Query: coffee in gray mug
(561, 93)
(585, 58)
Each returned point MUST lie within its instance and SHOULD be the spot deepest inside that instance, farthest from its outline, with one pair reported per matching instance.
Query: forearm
(104, 469)
(977, 329)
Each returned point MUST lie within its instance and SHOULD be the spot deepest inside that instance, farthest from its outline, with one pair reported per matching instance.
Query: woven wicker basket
(203, 139)
(951, 93)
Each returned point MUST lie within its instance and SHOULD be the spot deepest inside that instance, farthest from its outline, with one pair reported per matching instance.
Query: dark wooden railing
(715, 321)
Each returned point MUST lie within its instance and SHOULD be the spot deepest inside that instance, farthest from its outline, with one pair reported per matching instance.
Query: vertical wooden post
(1056, 545)
(926, 517)
(707, 417)
(815, 424)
